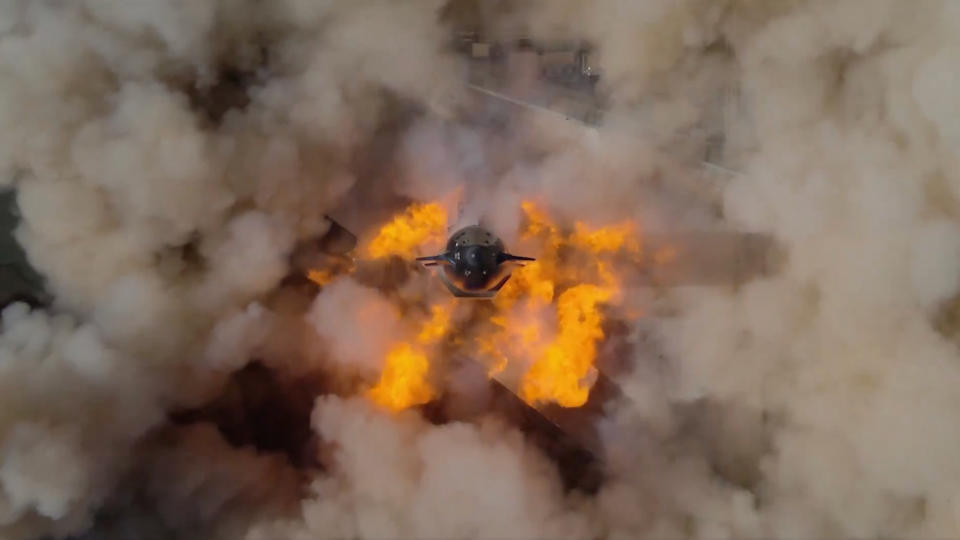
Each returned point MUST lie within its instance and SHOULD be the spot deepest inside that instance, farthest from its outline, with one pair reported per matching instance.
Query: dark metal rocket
(475, 263)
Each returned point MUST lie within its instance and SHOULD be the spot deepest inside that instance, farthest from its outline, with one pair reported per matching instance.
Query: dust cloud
(169, 158)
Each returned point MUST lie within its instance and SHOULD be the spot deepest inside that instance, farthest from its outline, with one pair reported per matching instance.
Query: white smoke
(402, 478)
(815, 403)
(73, 407)
(339, 316)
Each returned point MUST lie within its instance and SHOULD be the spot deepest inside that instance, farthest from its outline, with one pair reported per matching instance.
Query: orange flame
(405, 381)
(419, 224)
(606, 240)
(320, 277)
(571, 279)
(516, 335)
(560, 374)
(572, 265)
(436, 327)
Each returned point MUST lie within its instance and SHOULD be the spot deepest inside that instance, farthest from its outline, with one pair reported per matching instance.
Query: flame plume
(405, 381)
(570, 271)
(320, 277)
(548, 318)
(561, 373)
(418, 225)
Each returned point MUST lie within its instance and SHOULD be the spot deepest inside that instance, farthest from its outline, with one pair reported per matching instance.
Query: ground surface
(17, 280)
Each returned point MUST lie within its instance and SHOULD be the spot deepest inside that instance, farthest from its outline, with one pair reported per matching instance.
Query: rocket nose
(471, 255)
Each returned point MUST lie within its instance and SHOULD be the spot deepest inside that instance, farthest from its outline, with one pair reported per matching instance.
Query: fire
(436, 327)
(519, 334)
(498, 361)
(560, 374)
(405, 381)
(320, 277)
(605, 240)
(535, 280)
(419, 224)
(571, 270)
(538, 222)
(549, 317)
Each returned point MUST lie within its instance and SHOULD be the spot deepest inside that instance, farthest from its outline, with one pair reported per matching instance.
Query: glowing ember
(418, 225)
(405, 381)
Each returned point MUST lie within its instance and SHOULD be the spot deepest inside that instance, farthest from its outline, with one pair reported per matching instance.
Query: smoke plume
(171, 159)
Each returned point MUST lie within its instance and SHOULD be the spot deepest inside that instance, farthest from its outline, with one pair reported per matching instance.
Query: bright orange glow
(488, 345)
(560, 374)
(519, 335)
(605, 240)
(436, 327)
(418, 225)
(320, 277)
(405, 381)
(497, 358)
(534, 280)
(538, 223)
(572, 270)
(548, 318)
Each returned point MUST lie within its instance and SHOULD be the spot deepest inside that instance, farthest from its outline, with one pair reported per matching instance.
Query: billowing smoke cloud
(395, 474)
(170, 157)
(73, 406)
(338, 316)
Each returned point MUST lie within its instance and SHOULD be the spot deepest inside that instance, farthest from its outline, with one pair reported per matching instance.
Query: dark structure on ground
(19, 282)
